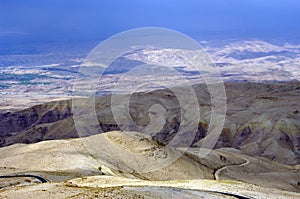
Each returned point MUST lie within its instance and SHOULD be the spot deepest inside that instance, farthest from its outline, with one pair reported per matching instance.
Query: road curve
(41, 179)
(233, 195)
(218, 171)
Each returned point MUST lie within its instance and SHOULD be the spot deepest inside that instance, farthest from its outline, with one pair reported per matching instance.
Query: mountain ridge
(261, 119)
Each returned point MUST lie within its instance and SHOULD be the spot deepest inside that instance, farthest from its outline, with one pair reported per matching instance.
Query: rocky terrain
(261, 119)
(113, 169)
(256, 156)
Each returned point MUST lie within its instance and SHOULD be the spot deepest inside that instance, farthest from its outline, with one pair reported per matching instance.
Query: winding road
(233, 195)
(41, 179)
(218, 171)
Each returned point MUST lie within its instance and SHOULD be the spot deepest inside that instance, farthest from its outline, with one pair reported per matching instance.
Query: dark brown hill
(261, 120)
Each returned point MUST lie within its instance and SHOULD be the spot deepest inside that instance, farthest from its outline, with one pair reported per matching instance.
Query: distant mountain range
(38, 70)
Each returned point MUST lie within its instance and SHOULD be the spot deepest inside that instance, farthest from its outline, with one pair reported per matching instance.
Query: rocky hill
(261, 119)
(130, 159)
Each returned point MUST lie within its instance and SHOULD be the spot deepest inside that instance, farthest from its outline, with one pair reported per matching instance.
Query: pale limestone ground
(117, 187)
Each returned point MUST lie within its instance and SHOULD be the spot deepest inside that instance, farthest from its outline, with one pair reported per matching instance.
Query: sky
(55, 20)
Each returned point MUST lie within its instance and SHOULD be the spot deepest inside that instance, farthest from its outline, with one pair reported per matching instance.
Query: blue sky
(49, 20)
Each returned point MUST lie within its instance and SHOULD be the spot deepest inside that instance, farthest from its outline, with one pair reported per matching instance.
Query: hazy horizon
(76, 20)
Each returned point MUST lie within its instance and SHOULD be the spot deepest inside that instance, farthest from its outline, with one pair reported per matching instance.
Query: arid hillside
(134, 165)
(261, 119)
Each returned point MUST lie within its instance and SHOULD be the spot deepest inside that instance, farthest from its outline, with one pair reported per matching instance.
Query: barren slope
(262, 119)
